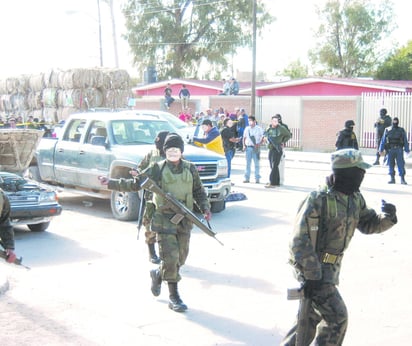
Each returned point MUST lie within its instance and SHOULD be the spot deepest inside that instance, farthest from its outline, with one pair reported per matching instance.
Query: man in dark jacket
(346, 137)
(383, 122)
(395, 141)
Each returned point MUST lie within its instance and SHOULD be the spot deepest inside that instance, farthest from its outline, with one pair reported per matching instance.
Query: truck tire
(39, 227)
(218, 206)
(125, 205)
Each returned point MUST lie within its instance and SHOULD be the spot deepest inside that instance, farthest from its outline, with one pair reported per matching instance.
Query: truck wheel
(125, 205)
(39, 227)
(218, 206)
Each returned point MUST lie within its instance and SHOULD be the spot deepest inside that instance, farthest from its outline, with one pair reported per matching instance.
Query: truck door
(95, 156)
(66, 155)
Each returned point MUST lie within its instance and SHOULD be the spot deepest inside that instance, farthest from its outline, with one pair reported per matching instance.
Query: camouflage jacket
(154, 172)
(6, 229)
(342, 215)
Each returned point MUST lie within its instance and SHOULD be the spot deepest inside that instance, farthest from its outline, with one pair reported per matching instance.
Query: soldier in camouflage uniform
(153, 156)
(181, 179)
(318, 269)
(6, 229)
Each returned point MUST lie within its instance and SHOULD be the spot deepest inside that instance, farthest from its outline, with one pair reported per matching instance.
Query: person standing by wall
(346, 137)
(181, 179)
(395, 141)
(383, 122)
(184, 95)
(276, 135)
(252, 140)
(150, 158)
(229, 142)
(324, 226)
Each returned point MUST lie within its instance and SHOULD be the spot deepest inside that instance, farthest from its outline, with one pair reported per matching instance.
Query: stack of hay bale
(56, 94)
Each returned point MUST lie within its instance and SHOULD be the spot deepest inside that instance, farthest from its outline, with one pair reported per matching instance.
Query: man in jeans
(252, 139)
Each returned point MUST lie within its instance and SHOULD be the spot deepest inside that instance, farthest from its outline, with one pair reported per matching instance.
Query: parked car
(31, 204)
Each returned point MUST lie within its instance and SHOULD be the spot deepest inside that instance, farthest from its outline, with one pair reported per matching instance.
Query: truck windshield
(138, 131)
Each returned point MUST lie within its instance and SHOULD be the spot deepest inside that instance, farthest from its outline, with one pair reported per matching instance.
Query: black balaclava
(395, 122)
(160, 141)
(346, 180)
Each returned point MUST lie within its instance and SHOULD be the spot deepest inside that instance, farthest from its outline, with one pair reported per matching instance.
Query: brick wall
(322, 119)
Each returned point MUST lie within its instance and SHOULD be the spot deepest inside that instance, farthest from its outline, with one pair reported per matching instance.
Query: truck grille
(207, 170)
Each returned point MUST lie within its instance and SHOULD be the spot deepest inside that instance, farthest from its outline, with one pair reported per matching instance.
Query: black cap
(173, 140)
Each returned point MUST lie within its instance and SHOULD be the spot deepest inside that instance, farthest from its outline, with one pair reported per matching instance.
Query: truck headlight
(222, 168)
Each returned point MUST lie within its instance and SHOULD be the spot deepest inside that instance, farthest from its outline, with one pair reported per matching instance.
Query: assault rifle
(179, 208)
(303, 313)
(17, 261)
(141, 211)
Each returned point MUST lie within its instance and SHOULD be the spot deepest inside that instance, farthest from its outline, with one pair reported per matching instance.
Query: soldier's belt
(329, 258)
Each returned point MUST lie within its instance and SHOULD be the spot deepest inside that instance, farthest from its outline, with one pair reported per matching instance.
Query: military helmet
(347, 158)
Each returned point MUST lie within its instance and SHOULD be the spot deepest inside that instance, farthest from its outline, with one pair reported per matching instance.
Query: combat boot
(392, 181)
(403, 181)
(175, 303)
(376, 163)
(156, 282)
(152, 254)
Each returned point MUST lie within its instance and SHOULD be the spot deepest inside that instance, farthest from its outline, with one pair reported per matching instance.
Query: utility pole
(253, 96)
(100, 33)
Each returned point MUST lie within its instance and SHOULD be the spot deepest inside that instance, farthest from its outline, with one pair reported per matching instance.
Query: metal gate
(397, 104)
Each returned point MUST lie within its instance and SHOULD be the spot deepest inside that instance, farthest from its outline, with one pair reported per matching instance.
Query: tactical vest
(179, 185)
(395, 137)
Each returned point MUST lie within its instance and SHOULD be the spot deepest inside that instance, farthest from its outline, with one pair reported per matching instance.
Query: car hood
(17, 148)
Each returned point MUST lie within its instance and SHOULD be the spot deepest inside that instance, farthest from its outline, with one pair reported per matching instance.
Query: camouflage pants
(173, 250)
(150, 236)
(328, 314)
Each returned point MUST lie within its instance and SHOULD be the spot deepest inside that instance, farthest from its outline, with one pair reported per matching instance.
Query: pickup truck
(97, 144)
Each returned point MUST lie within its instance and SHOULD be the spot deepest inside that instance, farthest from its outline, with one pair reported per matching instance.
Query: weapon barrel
(17, 261)
(178, 207)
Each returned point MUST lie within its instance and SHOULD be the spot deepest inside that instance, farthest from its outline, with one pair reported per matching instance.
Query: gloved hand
(389, 210)
(311, 286)
(10, 256)
(207, 215)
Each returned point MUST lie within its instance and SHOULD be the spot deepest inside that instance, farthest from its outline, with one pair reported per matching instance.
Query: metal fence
(397, 104)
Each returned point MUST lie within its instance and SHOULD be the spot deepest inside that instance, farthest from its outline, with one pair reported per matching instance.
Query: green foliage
(295, 70)
(349, 36)
(176, 36)
(397, 66)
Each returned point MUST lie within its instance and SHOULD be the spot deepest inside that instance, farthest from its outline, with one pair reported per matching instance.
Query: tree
(397, 66)
(296, 69)
(349, 36)
(175, 36)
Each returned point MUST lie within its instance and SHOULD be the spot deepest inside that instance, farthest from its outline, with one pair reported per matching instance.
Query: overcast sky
(43, 34)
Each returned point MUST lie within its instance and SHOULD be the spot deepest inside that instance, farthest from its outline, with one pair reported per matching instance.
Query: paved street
(89, 283)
